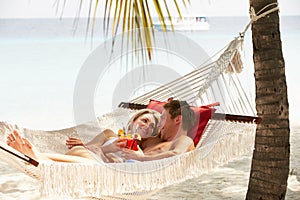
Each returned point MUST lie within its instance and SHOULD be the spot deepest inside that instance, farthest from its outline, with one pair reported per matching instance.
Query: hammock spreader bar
(132, 106)
(217, 116)
(22, 157)
(237, 118)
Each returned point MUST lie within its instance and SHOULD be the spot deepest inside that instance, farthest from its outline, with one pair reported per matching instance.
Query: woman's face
(144, 125)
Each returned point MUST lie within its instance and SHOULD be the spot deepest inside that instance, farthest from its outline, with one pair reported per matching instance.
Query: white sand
(227, 182)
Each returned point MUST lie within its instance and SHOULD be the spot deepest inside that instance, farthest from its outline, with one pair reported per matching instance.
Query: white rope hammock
(221, 142)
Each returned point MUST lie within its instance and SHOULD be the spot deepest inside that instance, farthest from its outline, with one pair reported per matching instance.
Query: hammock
(225, 137)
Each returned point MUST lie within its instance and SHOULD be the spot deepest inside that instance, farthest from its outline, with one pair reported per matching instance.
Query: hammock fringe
(146, 176)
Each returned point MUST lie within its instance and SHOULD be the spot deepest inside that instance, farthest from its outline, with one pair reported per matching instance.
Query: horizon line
(69, 17)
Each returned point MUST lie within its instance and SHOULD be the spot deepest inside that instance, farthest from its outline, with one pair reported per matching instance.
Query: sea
(42, 61)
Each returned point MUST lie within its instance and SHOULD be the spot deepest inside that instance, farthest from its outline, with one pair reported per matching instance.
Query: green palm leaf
(135, 17)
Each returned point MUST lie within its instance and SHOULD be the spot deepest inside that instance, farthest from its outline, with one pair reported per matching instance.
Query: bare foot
(14, 142)
(20, 144)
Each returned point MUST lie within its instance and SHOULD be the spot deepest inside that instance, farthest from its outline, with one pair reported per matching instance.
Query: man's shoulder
(184, 142)
(185, 138)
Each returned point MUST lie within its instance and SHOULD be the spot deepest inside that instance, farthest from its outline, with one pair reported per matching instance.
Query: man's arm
(181, 145)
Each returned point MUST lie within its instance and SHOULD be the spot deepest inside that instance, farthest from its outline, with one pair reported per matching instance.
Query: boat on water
(186, 23)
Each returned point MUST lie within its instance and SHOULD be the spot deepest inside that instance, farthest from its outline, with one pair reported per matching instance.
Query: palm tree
(270, 162)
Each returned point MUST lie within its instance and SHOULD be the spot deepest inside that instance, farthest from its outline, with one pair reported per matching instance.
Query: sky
(47, 8)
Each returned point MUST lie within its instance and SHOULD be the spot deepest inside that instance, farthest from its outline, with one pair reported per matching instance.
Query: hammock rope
(256, 16)
(196, 87)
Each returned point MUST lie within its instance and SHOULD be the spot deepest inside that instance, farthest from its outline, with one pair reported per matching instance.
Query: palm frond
(159, 13)
(94, 16)
(169, 15)
(108, 6)
(178, 9)
(134, 16)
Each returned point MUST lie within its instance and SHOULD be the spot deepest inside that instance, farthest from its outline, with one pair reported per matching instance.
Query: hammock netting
(221, 141)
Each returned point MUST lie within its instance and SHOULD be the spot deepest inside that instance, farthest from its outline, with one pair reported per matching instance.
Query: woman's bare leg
(70, 158)
(22, 145)
(83, 152)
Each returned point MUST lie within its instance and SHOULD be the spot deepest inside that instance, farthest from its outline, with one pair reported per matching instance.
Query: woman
(101, 148)
(107, 146)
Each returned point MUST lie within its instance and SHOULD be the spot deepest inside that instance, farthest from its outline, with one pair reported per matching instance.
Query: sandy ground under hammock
(227, 182)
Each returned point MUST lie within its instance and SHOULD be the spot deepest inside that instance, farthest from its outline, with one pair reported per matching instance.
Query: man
(176, 120)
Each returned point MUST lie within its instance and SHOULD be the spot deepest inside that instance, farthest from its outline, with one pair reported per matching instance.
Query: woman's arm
(97, 141)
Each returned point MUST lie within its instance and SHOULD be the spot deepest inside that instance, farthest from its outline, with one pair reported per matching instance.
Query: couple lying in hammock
(162, 136)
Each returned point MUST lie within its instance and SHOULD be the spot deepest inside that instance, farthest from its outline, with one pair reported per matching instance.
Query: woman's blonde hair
(156, 116)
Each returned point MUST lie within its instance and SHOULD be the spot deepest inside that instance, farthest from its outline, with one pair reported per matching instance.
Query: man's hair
(182, 108)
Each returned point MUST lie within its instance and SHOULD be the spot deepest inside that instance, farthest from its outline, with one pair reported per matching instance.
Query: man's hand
(134, 155)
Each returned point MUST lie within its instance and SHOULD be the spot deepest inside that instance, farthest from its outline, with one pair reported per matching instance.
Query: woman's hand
(112, 147)
(72, 141)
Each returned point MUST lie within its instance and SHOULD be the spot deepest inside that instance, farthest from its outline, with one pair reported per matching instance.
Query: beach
(39, 66)
(231, 180)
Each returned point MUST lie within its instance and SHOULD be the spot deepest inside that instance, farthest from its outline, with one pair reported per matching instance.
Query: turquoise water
(39, 64)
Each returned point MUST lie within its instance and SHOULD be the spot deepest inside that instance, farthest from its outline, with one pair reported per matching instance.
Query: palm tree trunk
(270, 162)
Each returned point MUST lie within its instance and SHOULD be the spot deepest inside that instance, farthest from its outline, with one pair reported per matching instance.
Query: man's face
(168, 126)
